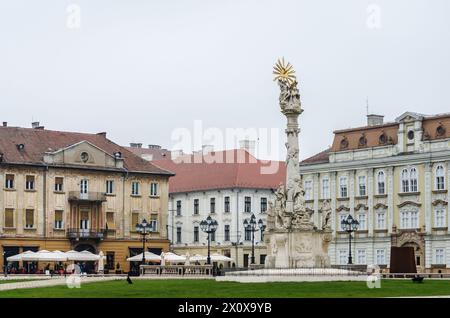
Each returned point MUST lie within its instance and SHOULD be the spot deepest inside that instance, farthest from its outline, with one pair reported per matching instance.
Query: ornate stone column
(427, 188)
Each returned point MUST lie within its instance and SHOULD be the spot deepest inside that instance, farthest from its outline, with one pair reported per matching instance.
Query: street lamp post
(144, 230)
(209, 226)
(349, 225)
(252, 225)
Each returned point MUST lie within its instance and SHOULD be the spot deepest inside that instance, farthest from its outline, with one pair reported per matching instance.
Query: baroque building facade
(229, 186)
(64, 190)
(394, 179)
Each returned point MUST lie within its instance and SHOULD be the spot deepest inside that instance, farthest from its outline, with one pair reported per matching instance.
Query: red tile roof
(39, 141)
(321, 157)
(154, 153)
(222, 170)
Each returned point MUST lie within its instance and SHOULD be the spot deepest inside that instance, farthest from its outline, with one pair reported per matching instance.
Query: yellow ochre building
(66, 190)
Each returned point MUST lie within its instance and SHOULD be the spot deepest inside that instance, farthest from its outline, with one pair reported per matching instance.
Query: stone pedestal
(298, 249)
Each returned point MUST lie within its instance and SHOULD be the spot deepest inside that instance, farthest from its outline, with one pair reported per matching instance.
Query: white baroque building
(229, 186)
(392, 177)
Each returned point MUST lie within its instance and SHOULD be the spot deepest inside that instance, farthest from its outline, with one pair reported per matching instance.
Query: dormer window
(344, 143)
(362, 141)
(440, 131)
(84, 157)
(382, 139)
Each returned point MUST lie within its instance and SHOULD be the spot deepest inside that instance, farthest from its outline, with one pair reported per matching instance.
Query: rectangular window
(262, 234)
(196, 206)
(110, 221)
(439, 217)
(381, 256)
(381, 183)
(9, 181)
(439, 257)
(213, 236)
(29, 183)
(134, 220)
(362, 185)
(247, 234)
(308, 189)
(227, 233)
(135, 188)
(227, 205)
(362, 219)
(84, 186)
(343, 187)
(29, 219)
(196, 234)
(59, 223)
(325, 188)
(178, 234)
(409, 219)
(59, 184)
(179, 207)
(343, 257)
(212, 205)
(9, 218)
(381, 220)
(248, 204)
(263, 205)
(109, 186)
(342, 217)
(361, 256)
(153, 189)
(110, 262)
(154, 223)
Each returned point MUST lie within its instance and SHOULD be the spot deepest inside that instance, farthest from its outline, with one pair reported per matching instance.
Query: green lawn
(213, 289)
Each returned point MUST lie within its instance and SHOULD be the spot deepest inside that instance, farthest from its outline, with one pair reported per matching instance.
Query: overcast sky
(140, 69)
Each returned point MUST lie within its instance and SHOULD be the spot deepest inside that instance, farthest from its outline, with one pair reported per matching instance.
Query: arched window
(413, 179)
(440, 179)
(405, 180)
(381, 182)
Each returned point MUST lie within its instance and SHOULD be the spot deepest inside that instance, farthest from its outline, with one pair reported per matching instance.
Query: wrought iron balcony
(89, 196)
(77, 234)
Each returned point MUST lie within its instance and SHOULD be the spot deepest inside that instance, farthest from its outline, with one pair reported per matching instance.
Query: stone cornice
(409, 203)
(439, 201)
(342, 207)
(397, 160)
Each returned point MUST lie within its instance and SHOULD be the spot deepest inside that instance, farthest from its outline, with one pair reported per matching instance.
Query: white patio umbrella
(149, 256)
(174, 258)
(45, 256)
(197, 258)
(84, 256)
(18, 257)
(216, 257)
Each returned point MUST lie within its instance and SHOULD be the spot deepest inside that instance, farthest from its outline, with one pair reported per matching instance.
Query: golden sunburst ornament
(284, 71)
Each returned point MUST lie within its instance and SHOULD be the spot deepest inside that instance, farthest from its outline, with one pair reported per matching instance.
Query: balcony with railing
(88, 196)
(77, 234)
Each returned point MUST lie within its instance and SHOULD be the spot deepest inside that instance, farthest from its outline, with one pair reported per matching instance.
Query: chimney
(35, 125)
(5, 124)
(207, 149)
(103, 134)
(154, 147)
(135, 145)
(374, 120)
(248, 145)
(176, 153)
